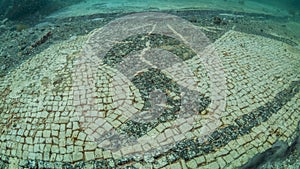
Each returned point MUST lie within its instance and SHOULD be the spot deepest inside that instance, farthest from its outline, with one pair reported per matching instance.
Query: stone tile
(211, 165)
(77, 156)
(192, 164)
(89, 156)
(200, 160)
(46, 133)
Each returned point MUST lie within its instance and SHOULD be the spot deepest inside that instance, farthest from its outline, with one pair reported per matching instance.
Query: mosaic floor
(150, 90)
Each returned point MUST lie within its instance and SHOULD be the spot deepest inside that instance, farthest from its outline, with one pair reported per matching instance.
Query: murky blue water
(17, 9)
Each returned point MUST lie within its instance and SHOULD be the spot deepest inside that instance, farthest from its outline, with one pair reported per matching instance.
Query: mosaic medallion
(150, 90)
(146, 79)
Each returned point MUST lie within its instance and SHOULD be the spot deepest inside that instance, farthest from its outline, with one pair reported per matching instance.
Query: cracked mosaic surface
(150, 90)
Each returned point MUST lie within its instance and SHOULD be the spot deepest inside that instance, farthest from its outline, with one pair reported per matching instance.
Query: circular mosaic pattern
(149, 90)
(146, 80)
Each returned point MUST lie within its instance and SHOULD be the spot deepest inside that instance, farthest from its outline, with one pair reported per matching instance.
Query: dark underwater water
(18, 9)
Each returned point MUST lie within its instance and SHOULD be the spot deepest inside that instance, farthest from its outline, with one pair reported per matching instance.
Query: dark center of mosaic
(154, 80)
